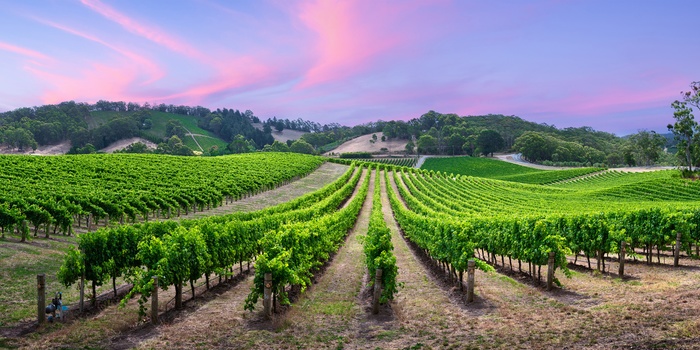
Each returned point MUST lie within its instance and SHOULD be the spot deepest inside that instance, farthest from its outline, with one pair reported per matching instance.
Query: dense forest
(431, 133)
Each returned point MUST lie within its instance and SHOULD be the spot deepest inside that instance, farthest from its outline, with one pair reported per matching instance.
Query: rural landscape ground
(324, 174)
(653, 306)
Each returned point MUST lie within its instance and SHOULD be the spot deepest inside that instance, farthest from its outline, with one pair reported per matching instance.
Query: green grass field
(497, 169)
(19, 265)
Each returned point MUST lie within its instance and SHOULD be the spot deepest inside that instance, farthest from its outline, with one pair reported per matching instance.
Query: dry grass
(657, 306)
(363, 144)
(21, 262)
(654, 306)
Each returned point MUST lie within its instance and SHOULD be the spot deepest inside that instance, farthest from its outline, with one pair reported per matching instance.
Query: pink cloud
(97, 81)
(142, 30)
(236, 73)
(23, 51)
(616, 98)
(351, 34)
(153, 70)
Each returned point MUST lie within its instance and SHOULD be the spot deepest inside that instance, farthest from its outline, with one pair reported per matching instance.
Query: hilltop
(363, 144)
(284, 135)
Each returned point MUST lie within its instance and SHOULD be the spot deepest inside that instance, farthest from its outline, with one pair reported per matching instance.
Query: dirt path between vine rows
(329, 313)
(222, 323)
(423, 310)
(653, 307)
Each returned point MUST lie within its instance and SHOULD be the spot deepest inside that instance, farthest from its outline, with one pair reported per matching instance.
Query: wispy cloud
(148, 32)
(152, 69)
(95, 81)
(350, 36)
(28, 53)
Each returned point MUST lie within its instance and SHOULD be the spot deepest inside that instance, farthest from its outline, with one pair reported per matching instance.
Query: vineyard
(58, 193)
(422, 228)
(494, 169)
(401, 162)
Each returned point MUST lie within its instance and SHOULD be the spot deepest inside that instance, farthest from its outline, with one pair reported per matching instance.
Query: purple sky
(615, 65)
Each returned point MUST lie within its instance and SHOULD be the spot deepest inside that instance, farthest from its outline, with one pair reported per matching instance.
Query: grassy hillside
(496, 169)
(480, 167)
(160, 119)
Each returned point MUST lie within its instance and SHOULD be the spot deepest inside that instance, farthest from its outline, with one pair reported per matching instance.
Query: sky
(614, 65)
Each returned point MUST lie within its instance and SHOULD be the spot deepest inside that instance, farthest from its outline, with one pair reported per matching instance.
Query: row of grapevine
(524, 223)
(546, 177)
(53, 193)
(184, 251)
(378, 248)
(453, 240)
(404, 161)
(292, 253)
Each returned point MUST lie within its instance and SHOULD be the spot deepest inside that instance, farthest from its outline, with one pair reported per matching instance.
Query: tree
(174, 146)
(489, 141)
(301, 146)
(239, 145)
(20, 138)
(455, 142)
(410, 147)
(685, 126)
(469, 146)
(648, 145)
(535, 146)
(267, 129)
(174, 128)
(279, 126)
(279, 147)
(427, 144)
(628, 156)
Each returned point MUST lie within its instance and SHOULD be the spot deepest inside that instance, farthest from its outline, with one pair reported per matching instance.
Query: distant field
(496, 169)
(473, 166)
(160, 120)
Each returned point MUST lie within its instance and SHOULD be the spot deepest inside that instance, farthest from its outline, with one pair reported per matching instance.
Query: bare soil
(330, 306)
(654, 306)
(121, 144)
(363, 144)
(284, 135)
(49, 150)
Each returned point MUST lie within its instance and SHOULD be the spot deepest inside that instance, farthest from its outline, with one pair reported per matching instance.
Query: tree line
(431, 133)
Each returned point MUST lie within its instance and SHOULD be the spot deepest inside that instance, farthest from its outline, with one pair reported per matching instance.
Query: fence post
(267, 296)
(377, 291)
(470, 280)
(41, 298)
(82, 293)
(154, 301)
(550, 270)
(621, 271)
(677, 251)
